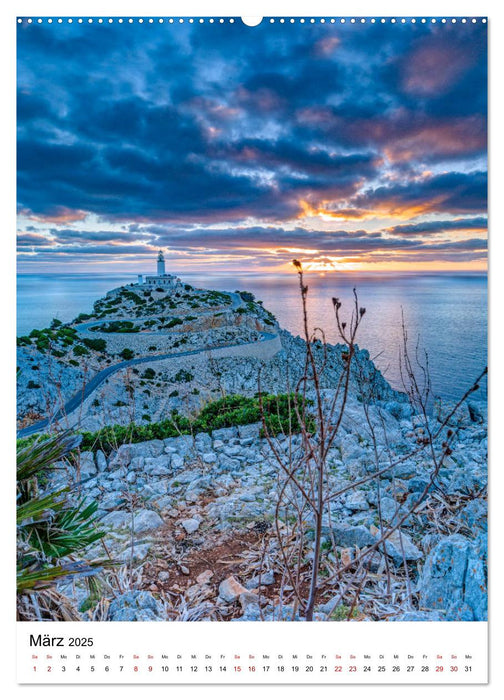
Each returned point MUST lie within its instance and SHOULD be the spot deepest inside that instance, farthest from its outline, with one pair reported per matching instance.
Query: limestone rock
(190, 525)
(266, 579)
(224, 433)
(399, 546)
(101, 461)
(87, 465)
(135, 552)
(145, 520)
(135, 606)
(453, 579)
(230, 589)
(116, 520)
(249, 431)
(351, 536)
(356, 500)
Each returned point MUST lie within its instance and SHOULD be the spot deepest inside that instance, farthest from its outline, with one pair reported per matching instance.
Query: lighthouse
(160, 264)
(161, 282)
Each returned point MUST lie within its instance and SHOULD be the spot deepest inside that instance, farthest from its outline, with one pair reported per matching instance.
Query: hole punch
(252, 21)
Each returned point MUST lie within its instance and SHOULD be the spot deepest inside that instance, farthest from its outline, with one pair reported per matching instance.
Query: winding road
(79, 398)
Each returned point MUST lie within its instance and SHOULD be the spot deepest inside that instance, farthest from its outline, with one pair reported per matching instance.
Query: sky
(231, 148)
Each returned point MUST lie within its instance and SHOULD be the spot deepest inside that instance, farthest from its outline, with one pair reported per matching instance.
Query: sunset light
(304, 142)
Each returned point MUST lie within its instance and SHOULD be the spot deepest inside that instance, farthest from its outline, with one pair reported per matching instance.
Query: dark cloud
(479, 223)
(218, 124)
(452, 192)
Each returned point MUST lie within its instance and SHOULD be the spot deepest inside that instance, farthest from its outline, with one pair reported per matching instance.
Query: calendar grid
(350, 653)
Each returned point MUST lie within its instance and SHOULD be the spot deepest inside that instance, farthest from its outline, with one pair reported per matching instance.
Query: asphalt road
(101, 376)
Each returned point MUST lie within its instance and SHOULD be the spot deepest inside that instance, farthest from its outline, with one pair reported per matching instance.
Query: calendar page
(251, 349)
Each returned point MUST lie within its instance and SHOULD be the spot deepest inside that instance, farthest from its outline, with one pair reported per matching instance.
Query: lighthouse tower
(161, 281)
(161, 264)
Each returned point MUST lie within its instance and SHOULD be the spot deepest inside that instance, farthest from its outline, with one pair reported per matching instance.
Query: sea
(445, 314)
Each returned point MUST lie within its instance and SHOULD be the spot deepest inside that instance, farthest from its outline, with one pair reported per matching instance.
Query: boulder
(145, 520)
(230, 589)
(203, 442)
(101, 461)
(252, 430)
(356, 500)
(87, 465)
(351, 536)
(225, 433)
(266, 579)
(190, 525)
(399, 546)
(112, 501)
(182, 445)
(135, 606)
(453, 579)
(135, 552)
(474, 514)
(177, 461)
(158, 466)
(389, 507)
(116, 520)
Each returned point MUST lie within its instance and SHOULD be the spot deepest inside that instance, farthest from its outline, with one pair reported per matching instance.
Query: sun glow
(331, 265)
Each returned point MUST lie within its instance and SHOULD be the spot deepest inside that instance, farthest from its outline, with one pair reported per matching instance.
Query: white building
(161, 280)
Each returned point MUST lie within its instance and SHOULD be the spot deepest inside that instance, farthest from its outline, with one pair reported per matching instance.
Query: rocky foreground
(191, 519)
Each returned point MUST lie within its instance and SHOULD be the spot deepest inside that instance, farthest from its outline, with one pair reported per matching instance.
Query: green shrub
(32, 385)
(98, 344)
(116, 327)
(149, 373)
(23, 340)
(80, 350)
(222, 413)
(182, 376)
(173, 322)
(131, 296)
(127, 354)
(42, 344)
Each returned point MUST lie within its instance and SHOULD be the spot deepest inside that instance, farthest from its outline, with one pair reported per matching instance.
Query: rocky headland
(191, 520)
